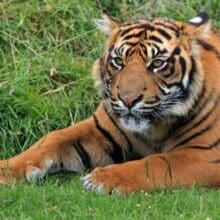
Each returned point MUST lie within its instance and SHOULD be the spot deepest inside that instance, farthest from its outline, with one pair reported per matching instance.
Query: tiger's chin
(134, 124)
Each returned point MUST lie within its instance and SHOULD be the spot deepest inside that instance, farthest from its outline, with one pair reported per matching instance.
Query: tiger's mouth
(134, 119)
(136, 112)
(161, 109)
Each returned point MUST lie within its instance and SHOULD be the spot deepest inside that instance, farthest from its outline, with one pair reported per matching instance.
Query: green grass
(62, 197)
(47, 48)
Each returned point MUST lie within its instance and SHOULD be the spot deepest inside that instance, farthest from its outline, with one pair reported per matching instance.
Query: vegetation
(47, 51)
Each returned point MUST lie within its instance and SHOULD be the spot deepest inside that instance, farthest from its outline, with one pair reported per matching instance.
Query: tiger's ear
(196, 27)
(107, 24)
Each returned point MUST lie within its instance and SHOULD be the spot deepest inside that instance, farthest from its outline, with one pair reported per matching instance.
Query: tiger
(157, 125)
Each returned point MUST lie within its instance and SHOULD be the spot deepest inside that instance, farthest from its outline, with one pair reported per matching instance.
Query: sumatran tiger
(158, 121)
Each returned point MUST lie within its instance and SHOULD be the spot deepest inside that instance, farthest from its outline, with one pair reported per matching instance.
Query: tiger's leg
(87, 144)
(181, 168)
(58, 150)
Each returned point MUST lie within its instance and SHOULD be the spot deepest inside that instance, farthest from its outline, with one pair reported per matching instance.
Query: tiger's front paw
(103, 180)
(11, 173)
(121, 179)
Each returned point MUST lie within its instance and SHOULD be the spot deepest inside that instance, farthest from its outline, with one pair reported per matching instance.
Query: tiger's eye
(157, 63)
(119, 61)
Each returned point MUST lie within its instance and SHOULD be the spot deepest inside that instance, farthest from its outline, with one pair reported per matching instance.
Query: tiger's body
(160, 82)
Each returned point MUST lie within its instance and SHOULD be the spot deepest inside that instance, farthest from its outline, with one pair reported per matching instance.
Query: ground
(47, 51)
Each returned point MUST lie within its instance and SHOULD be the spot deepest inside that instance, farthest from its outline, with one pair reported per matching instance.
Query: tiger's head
(151, 69)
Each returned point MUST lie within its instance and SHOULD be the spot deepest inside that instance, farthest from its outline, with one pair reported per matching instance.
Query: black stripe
(144, 48)
(193, 113)
(157, 99)
(117, 154)
(125, 32)
(182, 63)
(142, 55)
(132, 44)
(175, 30)
(161, 89)
(193, 136)
(121, 131)
(209, 47)
(209, 147)
(191, 77)
(164, 51)
(133, 24)
(131, 52)
(61, 165)
(169, 85)
(103, 77)
(176, 51)
(136, 35)
(156, 46)
(156, 39)
(146, 108)
(121, 48)
(166, 26)
(128, 51)
(113, 98)
(83, 154)
(193, 70)
(108, 58)
(200, 121)
(130, 29)
(149, 27)
(164, 33)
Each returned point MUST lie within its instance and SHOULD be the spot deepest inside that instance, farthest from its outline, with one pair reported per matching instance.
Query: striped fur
(160, 84)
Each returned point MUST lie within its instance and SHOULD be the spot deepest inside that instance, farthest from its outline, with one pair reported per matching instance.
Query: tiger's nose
(129, 102)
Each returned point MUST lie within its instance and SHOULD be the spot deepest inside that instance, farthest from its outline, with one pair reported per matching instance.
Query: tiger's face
(150, 70)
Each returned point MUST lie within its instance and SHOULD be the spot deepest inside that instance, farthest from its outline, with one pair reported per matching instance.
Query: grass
(62, 197)
(47, 51)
